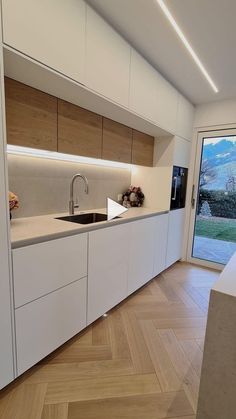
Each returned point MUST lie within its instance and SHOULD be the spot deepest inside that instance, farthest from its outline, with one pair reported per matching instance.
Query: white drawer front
(45, 324)
(44, 267)
(107, 269)
(141, 253)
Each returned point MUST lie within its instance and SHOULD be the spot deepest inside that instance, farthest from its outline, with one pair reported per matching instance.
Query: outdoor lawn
(216, 228)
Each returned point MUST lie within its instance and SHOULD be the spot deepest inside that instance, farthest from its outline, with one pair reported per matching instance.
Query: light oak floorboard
(78, 353)
(184, 369)
(189, 332)
(194, 354)
(166, 374)
(118, 338)
(151, 406)
(55, 411)
(178, 323)
(25, 402)
(100, 332)
(139, 352)
(100, 388)
(82, 370)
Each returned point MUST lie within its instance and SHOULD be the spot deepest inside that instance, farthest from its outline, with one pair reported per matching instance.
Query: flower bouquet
(13, 201)
(133, 197)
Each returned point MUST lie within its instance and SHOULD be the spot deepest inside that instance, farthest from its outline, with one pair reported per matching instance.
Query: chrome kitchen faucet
(72, 204)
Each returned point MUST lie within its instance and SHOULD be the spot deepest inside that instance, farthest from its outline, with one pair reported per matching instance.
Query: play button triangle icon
(114, 209)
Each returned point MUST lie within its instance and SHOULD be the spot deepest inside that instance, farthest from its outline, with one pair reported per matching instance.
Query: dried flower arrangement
(13, 201)
(133, 197)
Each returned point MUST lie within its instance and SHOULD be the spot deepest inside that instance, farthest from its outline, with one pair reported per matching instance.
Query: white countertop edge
(226, 283)
(32, 230)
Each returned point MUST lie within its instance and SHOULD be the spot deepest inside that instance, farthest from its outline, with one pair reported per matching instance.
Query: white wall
(43, 185)
(215, 114)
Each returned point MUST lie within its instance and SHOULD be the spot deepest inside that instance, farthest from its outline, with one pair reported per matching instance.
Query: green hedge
(222, 204)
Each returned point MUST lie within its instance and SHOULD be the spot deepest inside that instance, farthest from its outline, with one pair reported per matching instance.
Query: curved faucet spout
(72, 204)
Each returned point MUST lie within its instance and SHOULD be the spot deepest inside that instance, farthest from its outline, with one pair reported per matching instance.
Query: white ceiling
(209, 26)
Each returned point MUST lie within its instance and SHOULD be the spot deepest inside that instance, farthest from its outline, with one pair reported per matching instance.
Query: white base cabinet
(107, 269)
(121, 259)
(160, 243)
(175, 236)
(141, 253)
(46, 323)
(44, 267)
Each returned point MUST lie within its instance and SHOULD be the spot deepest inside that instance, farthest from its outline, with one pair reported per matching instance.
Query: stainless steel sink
(89, 218)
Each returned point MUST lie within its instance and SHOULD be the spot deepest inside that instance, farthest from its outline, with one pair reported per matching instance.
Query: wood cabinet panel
(31, 116)
(79, 131)
(117, 141)
(142, 149)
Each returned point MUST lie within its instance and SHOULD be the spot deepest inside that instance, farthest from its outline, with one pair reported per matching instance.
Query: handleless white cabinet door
(107, 269)
(167, 104)
(141, 254)
(185, 116)
(151, 95)
(52, 32)
(143, 96)
(45, 324)
(160, 243)
(182, 150)
(175, 236)
(44, 267)
(107, 60)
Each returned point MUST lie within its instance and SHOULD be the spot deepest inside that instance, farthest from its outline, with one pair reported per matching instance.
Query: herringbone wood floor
(142, 361)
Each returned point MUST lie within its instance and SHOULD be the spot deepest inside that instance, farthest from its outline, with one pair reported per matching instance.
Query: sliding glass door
(213, 225)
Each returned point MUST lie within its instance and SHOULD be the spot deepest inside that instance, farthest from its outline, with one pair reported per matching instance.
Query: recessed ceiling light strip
(186, 44)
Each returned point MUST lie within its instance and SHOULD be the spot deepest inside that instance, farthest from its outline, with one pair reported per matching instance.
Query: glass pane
(215, 223)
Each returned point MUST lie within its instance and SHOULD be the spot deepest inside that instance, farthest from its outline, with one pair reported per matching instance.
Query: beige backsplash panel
(43, 185)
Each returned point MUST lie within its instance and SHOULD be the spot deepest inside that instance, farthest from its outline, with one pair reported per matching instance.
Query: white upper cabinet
(185, 116)
(107, 60)
(167, 100)
(182, 149)
(52, 32)
(151, 95)
(142, 87)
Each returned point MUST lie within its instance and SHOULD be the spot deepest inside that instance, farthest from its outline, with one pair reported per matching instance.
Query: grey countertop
(32, 230)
